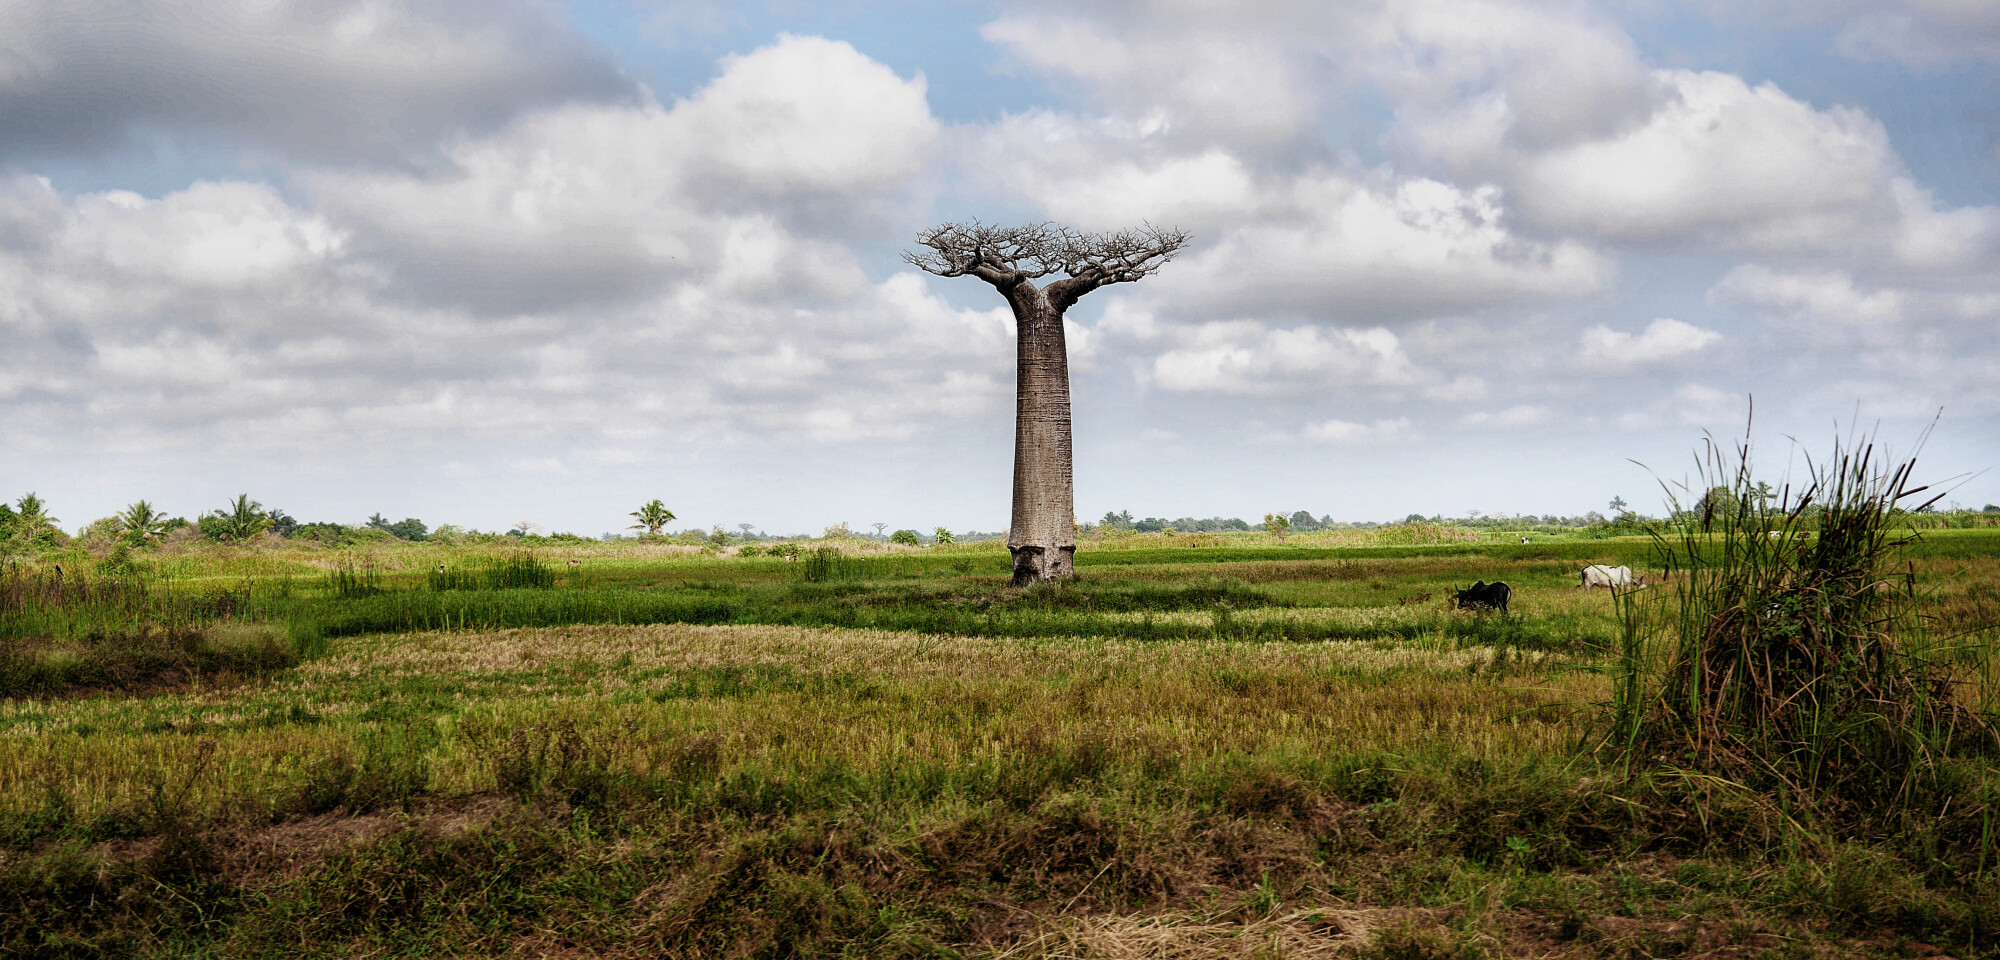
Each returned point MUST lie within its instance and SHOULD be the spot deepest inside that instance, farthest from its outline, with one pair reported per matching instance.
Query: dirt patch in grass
(293, 849)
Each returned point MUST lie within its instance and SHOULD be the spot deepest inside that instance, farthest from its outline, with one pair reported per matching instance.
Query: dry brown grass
(1297, 935)
(871, 700)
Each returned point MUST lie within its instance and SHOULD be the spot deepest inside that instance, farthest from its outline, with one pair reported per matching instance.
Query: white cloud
(1815, 297)
(1976, 306)
(591, 275)
(592, 203)
(806, 114)
(1247, 358)
(1342, 250)
(1922, 32)
(1721, 161)
(1963, 241)
(1473, 76)
(1553, 102)
(1347, 433)
(1462, 389)
(1663, 339)
(1390, 199)
(1086, 184)
(1705, 406)
(1514, 417)
(219, 236)
(336, 79)
(1220, 82)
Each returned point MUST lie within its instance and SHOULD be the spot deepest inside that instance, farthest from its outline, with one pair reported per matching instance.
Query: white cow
(1599, 575)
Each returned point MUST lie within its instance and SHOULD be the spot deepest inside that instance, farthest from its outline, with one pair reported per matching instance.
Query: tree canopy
(1005, 256)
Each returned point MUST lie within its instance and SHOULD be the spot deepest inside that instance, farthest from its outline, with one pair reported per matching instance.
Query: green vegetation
(245, 518)
(653, 516)
(142, 524)
(1207, 744)
(1798, 658)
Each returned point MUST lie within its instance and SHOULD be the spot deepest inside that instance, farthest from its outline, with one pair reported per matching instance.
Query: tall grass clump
(825, 564)
(37, 603)
(351, 581)
(440, 578)
(1792, 657)
(520, 570)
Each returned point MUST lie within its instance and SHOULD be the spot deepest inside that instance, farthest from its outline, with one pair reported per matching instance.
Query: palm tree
(1763, 493)
(32, 514)
(31, 522)
(652, 517)
(142, 522)
(244, 519)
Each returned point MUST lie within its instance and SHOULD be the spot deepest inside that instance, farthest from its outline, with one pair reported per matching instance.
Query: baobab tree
(1043, 535)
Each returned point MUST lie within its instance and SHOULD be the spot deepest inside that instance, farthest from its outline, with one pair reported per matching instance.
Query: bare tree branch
(1005, 256)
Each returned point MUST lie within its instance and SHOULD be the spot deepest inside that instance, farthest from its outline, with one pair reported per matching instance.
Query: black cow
(1484, 596)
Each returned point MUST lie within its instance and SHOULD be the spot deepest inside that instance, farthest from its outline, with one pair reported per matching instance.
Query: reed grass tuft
(350, 580)
(520, 570)
(1792, 658)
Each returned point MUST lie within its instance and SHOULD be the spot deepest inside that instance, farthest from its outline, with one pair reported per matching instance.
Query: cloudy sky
(505, 260)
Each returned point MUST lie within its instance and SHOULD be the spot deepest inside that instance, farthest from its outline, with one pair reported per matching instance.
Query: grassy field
(1205, 746)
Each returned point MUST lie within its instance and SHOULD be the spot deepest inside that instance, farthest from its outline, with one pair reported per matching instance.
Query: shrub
(908, 537)
(1277, 525)
(409, 528)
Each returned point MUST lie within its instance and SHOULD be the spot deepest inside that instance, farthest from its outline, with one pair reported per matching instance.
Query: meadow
(1204, 745)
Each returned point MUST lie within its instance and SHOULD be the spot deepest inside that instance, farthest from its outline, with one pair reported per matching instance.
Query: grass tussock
(1794, 655)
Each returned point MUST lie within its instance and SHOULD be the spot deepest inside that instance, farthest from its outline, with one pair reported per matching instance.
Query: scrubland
(1230, 747)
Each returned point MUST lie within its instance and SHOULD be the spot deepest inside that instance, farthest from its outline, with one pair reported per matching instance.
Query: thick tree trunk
(1043, 537)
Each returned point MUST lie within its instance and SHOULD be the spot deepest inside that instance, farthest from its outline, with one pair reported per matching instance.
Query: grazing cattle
(1599, 575)
(1484, 596)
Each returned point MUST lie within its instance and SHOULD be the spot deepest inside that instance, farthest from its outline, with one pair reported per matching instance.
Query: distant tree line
(27, 528)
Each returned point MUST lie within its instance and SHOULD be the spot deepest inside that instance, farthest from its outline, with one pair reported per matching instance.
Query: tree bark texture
(1043, 536)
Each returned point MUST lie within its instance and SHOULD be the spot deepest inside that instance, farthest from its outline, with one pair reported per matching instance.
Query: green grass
(1292, 748)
